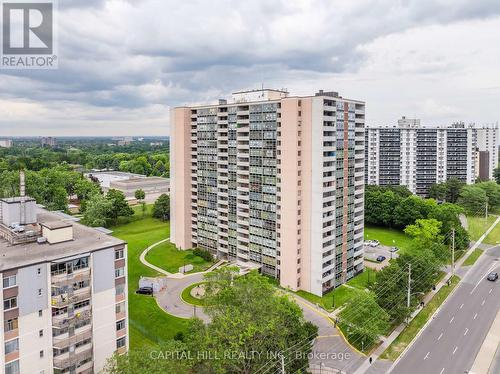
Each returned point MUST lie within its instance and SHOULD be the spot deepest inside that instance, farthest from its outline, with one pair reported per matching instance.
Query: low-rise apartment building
(419, 156)
(272, 181)
(63, 297)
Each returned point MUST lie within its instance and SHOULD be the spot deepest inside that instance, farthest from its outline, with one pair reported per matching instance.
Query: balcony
(64, 279)
(64, 320)
(70, 298)
(68, 360)
(66, 341)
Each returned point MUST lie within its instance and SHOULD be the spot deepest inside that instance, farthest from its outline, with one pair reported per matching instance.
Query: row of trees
(397, 207)
(251, 326)
(138, 159)
(369, 315)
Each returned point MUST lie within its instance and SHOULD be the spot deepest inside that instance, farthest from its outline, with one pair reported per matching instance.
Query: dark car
(493, 276)
(145, 291)
(380, 258)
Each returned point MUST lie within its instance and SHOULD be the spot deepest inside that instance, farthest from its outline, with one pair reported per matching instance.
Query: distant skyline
(123, 64)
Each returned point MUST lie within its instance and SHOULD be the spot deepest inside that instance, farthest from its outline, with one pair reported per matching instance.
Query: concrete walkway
(142, 257)
(486, 359)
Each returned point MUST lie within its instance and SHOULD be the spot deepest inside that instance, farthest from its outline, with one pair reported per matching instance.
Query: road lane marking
(482, 277)
(427, 355)
(475, 315)
(482, 303)
(490, 291)
(461, 306)
(466, 331)
(440, 335)
(455, 350)
(442, 370)
(452, 318)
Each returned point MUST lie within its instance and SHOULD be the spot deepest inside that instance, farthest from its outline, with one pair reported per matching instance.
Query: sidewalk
(484, 362)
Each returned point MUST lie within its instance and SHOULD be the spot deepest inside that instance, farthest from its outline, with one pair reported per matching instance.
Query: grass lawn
(188, 298)
(149, 325)
(343, 293)
(478, 225)
(389, 237)
(167, 257)
(407, 335)
(471, 260)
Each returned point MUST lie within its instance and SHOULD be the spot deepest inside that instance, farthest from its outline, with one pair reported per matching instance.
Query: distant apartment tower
(272, 181)
(5, 143)
(48, 142)
(64, 287)
(419, 156)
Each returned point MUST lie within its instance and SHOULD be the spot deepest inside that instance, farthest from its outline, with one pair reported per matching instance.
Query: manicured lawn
(478, 225)
(343, 293)
(188, 298)
(167, 257)
(471, 260)
(389, 237)
(149, 325)
(407, 335)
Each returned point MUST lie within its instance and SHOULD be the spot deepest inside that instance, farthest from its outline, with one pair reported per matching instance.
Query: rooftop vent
(57, 231)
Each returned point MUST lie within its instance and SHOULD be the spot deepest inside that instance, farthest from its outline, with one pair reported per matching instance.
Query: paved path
(142, 257)
(488, 359)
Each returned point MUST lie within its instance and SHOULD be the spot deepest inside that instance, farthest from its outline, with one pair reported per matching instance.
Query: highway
(452, 340)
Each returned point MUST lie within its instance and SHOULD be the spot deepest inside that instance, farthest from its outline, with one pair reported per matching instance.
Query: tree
(161, 207)
(379, 207)
(363, 319)
(169, 357)
(454, 187)
(97, 211)
(424, 269)
(119, 206)
(496, 175)
(448, 214)
(390, 291)
(411, 209)
(492, 190)
(426, 234)
(140, 195)
(438, 191)
(249, 317)
(473, 199)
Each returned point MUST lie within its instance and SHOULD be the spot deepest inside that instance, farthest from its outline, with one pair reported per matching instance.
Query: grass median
(416, 324)
(471, 260)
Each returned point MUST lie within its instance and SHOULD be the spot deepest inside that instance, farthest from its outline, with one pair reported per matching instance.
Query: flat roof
(12, 200)
(85, 239)
(54, 225)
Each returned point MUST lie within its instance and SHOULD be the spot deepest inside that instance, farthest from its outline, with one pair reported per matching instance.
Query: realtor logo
(28, 35)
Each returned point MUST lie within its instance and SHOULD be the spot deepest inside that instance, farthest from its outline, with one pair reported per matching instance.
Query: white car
(374, 243)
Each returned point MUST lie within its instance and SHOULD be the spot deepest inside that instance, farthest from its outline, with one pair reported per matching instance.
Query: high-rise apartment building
(419, 156)
(272, 181)
(5, 143)
(63, 297)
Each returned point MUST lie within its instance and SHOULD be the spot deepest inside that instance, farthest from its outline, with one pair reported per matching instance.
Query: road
(452, 340)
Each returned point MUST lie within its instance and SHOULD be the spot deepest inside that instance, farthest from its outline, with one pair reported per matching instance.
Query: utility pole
(409, 287)
(452, 251)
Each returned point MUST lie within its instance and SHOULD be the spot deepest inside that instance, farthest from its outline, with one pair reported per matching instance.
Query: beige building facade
(273, 180)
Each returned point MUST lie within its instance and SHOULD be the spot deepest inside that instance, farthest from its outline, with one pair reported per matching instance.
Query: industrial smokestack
(22, 187)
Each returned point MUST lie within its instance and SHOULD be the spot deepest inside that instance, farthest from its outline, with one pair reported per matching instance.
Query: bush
(204, 254)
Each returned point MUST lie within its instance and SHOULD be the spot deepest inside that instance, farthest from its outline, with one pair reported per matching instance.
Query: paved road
(452, 340)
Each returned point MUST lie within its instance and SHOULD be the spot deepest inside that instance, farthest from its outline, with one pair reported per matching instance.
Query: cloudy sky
(123, 64)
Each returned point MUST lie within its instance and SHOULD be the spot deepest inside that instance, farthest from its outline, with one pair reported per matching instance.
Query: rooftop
(85, 240)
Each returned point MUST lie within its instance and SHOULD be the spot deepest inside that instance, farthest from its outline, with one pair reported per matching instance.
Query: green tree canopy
(161, 207)
(97, 210)
(473, 199)
(119, 206)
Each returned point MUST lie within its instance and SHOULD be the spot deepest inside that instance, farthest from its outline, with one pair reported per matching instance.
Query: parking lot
(372, 252)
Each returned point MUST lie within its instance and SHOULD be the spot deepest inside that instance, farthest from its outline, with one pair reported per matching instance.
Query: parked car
(145, 291)
(380, 258)
(493, 276)
(374, 243)
(394, 249)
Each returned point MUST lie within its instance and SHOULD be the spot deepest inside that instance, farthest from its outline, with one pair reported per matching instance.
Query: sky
(124, 63)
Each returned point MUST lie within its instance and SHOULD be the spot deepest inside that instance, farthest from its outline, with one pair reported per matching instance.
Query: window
(9, 281)
(10, 325)
(39, 292)
(39, 271)
(121, 342)
(11, 346)
(120, 272)
(120, 325)
(40, 313)
(10, 303)
(40, 333)
(41, 354)
(12, 367)
(119, 254)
